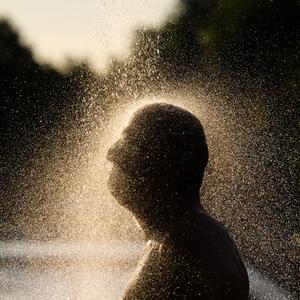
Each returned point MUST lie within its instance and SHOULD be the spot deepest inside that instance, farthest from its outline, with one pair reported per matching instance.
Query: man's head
(162, 151)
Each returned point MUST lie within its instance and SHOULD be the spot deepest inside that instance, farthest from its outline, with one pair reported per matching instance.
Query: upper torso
(199, 262)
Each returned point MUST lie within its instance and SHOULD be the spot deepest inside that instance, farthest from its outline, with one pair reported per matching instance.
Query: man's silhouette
(158, 166)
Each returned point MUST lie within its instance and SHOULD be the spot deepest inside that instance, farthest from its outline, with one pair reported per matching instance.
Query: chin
(118, 185)
(112, 182)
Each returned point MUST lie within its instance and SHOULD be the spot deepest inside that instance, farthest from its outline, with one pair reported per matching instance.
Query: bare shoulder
(210, 247)
(201, 257)
(211, 238)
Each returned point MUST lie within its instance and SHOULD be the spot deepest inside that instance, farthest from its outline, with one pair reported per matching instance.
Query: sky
(96, 30)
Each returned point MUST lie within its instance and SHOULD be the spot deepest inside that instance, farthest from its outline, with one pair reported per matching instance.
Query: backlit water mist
(102, 242)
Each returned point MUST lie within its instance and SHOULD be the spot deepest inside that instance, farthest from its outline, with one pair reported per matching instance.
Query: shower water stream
(100, 269)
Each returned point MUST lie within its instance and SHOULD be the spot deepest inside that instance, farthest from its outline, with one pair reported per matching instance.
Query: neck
(160, 224)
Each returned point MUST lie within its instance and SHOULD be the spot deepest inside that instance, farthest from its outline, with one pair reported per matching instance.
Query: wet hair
(164, 143)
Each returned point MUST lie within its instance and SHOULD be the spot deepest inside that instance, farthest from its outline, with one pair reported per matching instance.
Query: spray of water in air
(99, 241)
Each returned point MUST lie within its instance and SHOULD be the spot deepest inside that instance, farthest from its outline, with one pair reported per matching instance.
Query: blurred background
(67, 67)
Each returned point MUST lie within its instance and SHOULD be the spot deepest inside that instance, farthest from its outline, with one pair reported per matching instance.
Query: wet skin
(189, 254)
(200, 263)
